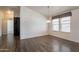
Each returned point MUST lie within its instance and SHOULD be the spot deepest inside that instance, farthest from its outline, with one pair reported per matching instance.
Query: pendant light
(49, 18)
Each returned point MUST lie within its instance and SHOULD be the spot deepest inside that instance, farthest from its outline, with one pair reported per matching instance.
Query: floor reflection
(8, 43)
(49, 44)
(55, 46)
(12, 43)
(58, 45)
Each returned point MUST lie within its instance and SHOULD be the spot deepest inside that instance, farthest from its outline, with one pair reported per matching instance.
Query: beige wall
(4, 24)
(1, 17)
(6, 17)
(74, 34)
(0, 27)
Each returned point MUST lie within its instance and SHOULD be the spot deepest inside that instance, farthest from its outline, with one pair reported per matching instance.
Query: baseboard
(65, 39)
(32, 36)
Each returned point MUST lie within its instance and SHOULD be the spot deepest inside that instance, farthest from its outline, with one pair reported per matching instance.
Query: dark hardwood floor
(39, 44)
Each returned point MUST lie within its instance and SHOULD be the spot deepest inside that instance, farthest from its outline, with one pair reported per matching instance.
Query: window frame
(60, 25)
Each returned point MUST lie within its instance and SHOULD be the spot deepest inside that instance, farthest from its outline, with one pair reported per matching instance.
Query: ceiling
(53, 10)
(16, 9)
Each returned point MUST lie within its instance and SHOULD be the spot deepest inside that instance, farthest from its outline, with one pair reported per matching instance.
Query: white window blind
(55, 23)
(65, 24)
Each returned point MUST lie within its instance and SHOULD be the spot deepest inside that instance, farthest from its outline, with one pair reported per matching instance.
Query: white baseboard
(32, 36)
(66, 39)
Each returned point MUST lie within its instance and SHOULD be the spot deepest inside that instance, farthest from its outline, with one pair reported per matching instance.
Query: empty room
(39, 29)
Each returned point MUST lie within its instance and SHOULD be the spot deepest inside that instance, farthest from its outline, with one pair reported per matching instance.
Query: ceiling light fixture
(49, 18)
(8, 11)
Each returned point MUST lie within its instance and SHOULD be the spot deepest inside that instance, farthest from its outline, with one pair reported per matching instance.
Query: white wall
(74, 34)
(10, 26)
(75, 25)
(32, 24)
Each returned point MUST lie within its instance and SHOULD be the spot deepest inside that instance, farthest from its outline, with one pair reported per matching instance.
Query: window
(65, 24)
(55, 23)
(61, 24)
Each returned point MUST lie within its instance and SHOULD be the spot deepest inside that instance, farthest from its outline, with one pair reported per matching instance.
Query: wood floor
(39, 44)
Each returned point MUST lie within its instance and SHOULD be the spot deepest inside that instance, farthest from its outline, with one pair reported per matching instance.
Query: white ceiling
(54, 10)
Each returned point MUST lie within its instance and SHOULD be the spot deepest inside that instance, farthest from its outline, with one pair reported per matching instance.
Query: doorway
(13, 26)
(16, 26)
(10, 26)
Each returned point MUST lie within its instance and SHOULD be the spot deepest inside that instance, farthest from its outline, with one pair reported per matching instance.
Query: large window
(61, 24)
(55, 23)
(65, 24)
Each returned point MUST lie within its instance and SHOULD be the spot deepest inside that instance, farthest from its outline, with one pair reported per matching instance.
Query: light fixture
(49, 18)
(48, 21)
(9, 13)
